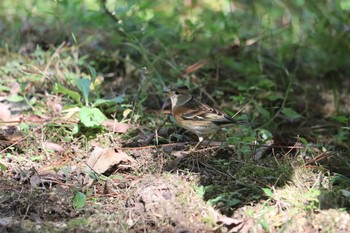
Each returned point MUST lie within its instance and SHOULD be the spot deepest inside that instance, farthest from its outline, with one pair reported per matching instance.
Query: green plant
(79, 200)
(3, 167)
(89, 113)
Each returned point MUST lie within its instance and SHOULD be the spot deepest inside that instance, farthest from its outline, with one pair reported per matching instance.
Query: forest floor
(64, 167)
(128, 178)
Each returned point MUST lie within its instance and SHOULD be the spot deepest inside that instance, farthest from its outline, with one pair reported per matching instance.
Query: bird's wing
(202, 112)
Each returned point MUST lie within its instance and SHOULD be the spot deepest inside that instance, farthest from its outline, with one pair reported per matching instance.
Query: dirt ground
(156, 190)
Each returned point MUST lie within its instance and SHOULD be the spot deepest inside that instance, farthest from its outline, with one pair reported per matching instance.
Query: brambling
(195, 116)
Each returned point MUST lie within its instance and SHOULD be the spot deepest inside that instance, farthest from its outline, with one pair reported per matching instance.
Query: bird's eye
(177, 92)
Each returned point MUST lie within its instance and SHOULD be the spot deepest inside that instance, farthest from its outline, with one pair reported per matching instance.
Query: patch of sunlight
(92, 5)
(345, 4)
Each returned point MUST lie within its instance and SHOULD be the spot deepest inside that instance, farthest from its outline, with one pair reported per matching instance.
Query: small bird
(195, 116)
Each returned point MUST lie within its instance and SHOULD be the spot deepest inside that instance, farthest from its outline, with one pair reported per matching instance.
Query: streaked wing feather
(206, 113)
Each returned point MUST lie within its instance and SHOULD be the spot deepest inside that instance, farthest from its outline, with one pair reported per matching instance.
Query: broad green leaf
(116, 100)
(91, 117)
(266, 84)
(93, 175)
(24, 127)
(84, 87)
(73, 94)
(233, 202)
(248, 139)
(341, 119)
(79, 200)
(290, 113)
(4, 88)
(267, 192)
(15, 98)
(3, 167)
(303, 140)
(345, 193)
(37, 158)
(264, 224)
(264, 112)
(214, 201)
(201, 191)
(274, 97)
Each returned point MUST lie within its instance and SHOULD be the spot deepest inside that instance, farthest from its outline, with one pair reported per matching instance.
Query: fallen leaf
(94, 156)
(108, 158)
(117, 127)
(102, 160)
(53, 146)
(44, 180)
(35, 180)
(247, 225)
(15, 88)
(54, 103)
(232, 225)
(5, 113)
(11, 133)
(196, 66)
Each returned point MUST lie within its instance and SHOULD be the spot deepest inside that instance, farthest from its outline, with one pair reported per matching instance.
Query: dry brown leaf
(248, 225)
(11, 134)
(107, 159)
(53, 146)
(15, 88)
(94, 156)
(101, 160)
(35, 180)
(117, 127)
(45, 179)
(196, 66)
(54, 103)
(232, 225)
(5, 113)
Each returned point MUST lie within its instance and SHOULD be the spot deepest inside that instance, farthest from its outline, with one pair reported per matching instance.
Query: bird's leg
(200, 140)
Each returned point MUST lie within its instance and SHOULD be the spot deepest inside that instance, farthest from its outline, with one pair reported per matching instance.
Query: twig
(49, 120)
(241, 109)
(56, 53)
(210, 97)
(15, 143)
(26, 213)
(148, 147)
(95, 173)
(112, 16)
(318, 158)
(156, 131)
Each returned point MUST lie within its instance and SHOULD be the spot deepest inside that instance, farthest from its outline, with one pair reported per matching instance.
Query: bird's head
(179, 95)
